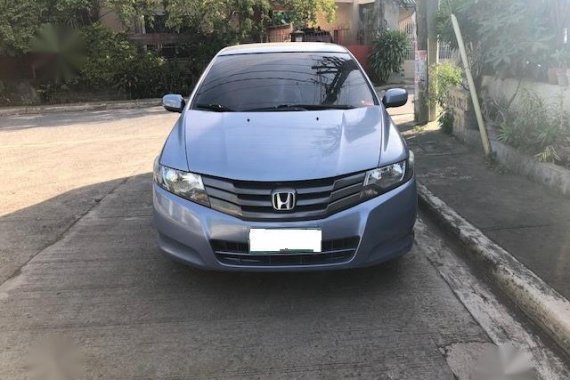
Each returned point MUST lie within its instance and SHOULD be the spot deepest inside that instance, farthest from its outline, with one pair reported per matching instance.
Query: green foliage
(536, 129)
(235, 19)
(512, 37)
(442, 78)
(21, 20)
(446, 122)
(240, 19)
(130, 10)
(107, 56)
(74, 53)
(112, 62)
(304, 13)
(387, 54)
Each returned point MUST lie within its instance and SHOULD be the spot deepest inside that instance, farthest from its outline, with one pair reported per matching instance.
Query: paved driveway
(82, 281)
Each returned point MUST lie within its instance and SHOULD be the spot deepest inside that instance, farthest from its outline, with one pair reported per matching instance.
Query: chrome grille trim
(316, 199)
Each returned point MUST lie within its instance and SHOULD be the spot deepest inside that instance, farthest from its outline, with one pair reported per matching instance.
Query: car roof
(283, 47)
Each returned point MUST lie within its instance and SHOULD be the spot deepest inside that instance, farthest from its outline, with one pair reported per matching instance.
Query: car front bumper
(382, 226)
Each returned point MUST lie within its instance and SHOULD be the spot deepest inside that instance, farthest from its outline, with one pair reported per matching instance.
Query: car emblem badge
(283, 200)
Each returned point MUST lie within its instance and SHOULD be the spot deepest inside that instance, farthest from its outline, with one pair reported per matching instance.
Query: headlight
(378, 181)
(184, 184)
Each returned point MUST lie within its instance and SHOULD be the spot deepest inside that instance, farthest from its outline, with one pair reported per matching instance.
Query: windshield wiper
(214, 107)
(304, 107)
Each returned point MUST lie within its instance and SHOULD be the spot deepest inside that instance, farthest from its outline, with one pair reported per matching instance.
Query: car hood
(287, 146)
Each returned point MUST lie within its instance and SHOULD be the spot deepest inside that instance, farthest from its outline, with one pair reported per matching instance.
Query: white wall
(551, 94)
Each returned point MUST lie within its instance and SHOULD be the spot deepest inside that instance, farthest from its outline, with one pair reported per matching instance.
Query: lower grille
(333, 251)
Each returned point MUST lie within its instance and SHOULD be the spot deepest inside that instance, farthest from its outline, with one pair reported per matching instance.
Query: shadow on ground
(26, 232)
(66, 119)
(132, 313)
(527, 219)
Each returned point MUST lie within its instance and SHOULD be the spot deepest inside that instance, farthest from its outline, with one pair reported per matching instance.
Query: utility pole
(427, 54)
(355, 21)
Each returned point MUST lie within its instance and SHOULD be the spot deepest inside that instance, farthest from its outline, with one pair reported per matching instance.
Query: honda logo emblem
(283, 200)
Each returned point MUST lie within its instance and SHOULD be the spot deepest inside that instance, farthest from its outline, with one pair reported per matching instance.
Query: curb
(75, 107)
(541, 303)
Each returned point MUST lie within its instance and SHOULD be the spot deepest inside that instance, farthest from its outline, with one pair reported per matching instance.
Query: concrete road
(83, 289)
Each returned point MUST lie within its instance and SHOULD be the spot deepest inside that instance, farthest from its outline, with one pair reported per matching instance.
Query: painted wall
(553, 95)
(342, 23)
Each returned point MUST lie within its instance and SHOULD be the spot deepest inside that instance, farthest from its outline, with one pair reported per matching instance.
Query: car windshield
(283, 82)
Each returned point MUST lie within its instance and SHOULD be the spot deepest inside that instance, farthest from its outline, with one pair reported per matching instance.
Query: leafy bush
(107, 55)
(510, 37)
(536, 129)
(111, 62)
(446, 122)
(387, 55)
(443, 77)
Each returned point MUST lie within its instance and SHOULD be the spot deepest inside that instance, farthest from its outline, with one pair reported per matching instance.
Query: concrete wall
(409, 70)
(343, 18)
(550, 93)
(466, 130)
(342, 23)
(391, 14)
(464, 119)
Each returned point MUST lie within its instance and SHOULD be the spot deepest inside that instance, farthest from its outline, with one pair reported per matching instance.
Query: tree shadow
(112, 221)
(20, 122)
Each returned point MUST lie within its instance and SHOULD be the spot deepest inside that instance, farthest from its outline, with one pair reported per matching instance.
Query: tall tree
(20, 20)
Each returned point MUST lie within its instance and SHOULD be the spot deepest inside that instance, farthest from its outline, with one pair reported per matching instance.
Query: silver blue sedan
(284, 158)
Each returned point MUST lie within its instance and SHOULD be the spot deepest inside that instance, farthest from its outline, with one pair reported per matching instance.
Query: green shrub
(112, 62)
(446, 122)
(442, 78)
(107, 57)
(387, 55)
(537, 130)
(508, 37)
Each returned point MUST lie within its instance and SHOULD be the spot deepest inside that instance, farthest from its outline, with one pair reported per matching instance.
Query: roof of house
(283, 47)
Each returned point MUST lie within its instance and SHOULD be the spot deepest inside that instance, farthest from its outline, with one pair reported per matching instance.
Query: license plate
(285, 240)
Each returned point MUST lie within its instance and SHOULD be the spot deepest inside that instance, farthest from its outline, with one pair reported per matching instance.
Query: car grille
(333, 251)
(315, 199)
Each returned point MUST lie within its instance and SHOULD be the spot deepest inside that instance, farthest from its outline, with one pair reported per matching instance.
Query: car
(284, 159)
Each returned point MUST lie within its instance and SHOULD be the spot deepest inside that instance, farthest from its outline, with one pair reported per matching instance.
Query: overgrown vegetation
(521, 39)
(513, 38)
(387, 54)
(74, 57)
(534, 128)
(445, 121)
(442, 78)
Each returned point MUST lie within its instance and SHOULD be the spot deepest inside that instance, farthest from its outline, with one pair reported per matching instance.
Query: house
(355, 26)
(358, 21)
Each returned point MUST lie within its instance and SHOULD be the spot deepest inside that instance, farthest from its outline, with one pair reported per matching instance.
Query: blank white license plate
(285, 240)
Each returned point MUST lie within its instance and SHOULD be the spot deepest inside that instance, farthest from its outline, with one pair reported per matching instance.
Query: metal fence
(408, 26)
(446, 52)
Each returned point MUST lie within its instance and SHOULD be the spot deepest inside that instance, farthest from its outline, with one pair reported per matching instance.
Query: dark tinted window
(258, 81)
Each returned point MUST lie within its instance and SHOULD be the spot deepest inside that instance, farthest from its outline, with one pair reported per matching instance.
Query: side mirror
(173, 102)
(395, 97)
